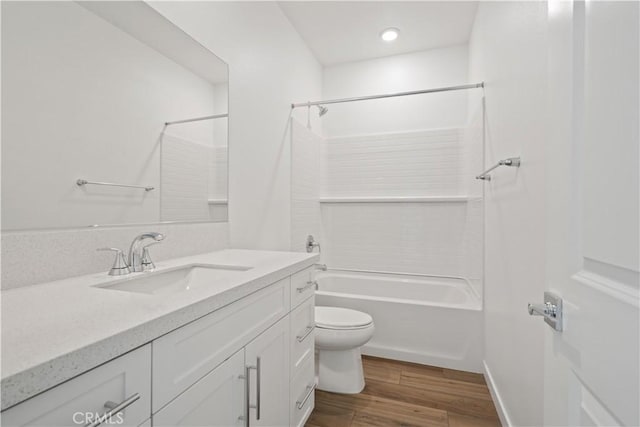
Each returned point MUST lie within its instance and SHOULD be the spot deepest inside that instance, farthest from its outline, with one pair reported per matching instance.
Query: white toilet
(340, 332)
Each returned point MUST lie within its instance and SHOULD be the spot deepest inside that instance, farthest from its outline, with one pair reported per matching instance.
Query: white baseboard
(497, 400)
(422, 358)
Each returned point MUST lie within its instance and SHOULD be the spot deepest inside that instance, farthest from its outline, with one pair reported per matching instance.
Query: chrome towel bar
(81, 182)
(512, 161)
(197, 119)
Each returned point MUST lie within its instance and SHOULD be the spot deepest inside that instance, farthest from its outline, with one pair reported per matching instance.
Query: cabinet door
(215, 400)
(268, 359)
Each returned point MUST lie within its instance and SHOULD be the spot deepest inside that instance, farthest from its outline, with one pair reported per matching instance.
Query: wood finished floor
(408, 394)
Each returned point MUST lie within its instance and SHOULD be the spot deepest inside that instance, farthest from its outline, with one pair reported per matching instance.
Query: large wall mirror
(98, 93)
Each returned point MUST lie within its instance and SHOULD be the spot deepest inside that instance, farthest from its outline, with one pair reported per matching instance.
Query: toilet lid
(341, 318)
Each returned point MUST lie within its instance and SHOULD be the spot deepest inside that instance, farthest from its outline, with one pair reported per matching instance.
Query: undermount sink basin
(181, 279)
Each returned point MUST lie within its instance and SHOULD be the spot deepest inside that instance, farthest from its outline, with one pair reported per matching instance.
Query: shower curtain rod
(197, 119)
(388, 95)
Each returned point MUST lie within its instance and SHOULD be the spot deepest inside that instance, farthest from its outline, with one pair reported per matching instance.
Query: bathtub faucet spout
(322, 267)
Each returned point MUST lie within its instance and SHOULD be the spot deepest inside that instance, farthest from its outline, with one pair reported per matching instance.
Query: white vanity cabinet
(302, 346)
(249, 363)
(260, 326)
(125, 381)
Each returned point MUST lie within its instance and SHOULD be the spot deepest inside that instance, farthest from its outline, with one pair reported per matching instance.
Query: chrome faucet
(135, 258)
(322, 267)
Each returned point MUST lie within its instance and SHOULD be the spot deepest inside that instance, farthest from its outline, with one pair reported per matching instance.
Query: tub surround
(55, 331)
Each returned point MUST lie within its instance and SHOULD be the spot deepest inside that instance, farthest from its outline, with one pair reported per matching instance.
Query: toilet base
(340, 371)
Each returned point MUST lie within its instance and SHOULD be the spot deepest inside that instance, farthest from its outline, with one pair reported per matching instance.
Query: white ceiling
(342, 31)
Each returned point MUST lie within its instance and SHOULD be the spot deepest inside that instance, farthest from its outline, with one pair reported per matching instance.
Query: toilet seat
(339, 318)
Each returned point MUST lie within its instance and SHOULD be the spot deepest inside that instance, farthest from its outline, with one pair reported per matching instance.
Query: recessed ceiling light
(390, 34)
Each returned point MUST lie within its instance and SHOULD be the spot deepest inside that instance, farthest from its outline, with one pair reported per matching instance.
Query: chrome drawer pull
(300, 403)
(258, 399)
(247, 393)
(310, 284)
(114, 409)
(308, 331)
(247, 376)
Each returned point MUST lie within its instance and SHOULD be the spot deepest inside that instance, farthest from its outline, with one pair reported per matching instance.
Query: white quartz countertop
(54, 331)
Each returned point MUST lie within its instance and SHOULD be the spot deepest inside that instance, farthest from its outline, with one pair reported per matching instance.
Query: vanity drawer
(302, 328)
(302, 286)
(185, 355)
(82, 399)
(303, 394)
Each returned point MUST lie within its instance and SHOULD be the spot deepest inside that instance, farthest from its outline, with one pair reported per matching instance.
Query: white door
(591, 367)
(268, 357)
(217, 399)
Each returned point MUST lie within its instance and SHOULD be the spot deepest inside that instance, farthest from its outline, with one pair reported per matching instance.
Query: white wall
(508, 51)
(421, 70)
(269, 68)
(84, 99)
(305, 186)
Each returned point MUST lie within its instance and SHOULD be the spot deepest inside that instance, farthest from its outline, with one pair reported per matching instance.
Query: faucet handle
(146, 262)
(120, 266)
(311, 243)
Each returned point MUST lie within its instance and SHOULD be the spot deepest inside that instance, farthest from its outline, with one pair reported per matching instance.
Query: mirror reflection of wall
(87, 90)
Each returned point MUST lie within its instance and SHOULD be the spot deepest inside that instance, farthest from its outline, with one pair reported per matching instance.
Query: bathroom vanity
(225, 338)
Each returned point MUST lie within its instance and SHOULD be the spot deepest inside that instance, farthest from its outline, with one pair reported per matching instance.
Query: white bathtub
(432, 320)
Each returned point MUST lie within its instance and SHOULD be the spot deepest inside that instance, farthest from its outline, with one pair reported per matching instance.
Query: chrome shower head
(322, 110)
